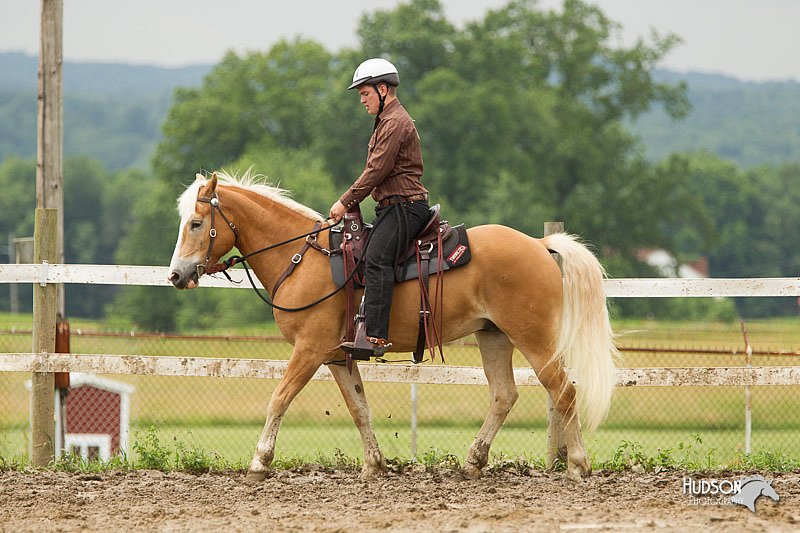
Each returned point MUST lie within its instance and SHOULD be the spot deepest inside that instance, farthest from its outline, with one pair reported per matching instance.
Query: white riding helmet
(374, 71)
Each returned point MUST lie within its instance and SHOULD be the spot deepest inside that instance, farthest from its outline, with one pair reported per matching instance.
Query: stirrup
(363, 351)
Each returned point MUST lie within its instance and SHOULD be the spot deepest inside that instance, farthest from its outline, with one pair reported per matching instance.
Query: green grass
(235, 444)
(168, 449)
(223, 417)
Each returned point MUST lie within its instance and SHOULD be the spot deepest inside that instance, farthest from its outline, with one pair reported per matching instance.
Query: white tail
(585, 340)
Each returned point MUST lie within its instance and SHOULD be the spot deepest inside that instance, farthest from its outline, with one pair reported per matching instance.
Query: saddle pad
(455, 253)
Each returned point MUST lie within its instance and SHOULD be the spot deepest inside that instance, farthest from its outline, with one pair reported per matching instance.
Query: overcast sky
(755, 40)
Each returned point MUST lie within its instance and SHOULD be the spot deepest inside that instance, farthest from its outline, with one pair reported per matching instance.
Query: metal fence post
(748, 414)
(413, 420)
(556, 445)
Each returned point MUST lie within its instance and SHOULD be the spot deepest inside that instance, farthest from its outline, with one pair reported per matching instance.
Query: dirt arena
(416, 500)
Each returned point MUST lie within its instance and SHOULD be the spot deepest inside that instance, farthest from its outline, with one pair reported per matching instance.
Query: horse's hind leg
(496, 351)
(300, 370)
(554, 378)
(352, 389)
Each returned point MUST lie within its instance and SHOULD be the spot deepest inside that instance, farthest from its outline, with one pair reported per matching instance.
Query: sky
(752, 40)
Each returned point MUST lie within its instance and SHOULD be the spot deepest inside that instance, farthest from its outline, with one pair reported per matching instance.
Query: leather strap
(296, 258)
(423, 338)
(429, 333)
(350, 304)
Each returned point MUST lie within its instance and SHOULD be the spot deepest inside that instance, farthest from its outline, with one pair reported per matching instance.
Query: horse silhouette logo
(750, 489)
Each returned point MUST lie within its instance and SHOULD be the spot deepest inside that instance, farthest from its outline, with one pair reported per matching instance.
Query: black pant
(395, 226)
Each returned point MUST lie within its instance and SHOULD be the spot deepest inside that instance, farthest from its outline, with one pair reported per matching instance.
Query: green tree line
(523, 115)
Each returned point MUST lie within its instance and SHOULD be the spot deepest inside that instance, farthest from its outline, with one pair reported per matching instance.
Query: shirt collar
(389, 107)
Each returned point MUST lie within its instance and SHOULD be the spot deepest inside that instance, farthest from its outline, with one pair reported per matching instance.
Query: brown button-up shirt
(394, 160)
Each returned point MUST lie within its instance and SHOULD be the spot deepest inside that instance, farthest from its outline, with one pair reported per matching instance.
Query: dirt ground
(415, 500)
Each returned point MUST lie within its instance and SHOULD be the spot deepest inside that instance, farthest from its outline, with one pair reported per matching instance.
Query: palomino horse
(510, 295)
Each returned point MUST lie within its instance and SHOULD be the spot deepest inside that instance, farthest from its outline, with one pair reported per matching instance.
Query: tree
(18, 201)
(416, 36)
(150, 241)
(17, 204)
(528, 108)
(245, 100)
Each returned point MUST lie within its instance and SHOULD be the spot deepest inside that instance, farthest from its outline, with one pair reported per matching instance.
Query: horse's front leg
(352, 389)
(302, 366)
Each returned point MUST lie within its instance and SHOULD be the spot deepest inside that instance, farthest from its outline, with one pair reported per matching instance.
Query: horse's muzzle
(180, 281)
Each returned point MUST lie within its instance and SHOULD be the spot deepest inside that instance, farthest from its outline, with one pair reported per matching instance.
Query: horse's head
(206, 233)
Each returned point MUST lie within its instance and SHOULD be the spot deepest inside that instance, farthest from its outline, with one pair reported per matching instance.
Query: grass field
(225, 416)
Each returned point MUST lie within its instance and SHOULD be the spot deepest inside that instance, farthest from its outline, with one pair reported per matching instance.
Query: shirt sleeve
(380, 162)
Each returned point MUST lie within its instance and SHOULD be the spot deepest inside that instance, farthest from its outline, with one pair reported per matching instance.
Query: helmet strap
(382, 99)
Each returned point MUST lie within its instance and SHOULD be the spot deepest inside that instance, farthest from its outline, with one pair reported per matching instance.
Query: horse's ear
(207, 190)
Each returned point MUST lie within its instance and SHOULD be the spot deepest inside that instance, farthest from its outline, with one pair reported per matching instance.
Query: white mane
(252, 182)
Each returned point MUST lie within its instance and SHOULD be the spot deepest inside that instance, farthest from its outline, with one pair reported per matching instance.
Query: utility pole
(50, 124)
(49, 214)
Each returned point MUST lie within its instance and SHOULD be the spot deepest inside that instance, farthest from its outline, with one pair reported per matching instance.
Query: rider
(392, 175)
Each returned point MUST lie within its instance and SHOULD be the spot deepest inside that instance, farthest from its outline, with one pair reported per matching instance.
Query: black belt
(389, 200)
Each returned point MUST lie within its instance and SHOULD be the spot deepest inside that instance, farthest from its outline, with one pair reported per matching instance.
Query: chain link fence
(224, 416)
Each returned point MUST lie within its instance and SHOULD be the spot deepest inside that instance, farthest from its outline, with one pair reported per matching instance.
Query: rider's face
(370, 99)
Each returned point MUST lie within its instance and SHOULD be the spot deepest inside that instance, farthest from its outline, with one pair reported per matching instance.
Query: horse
(511, 294)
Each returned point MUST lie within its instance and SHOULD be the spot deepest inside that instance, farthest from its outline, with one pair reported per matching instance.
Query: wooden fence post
(44, 341)
(50, 124)
(556, 445)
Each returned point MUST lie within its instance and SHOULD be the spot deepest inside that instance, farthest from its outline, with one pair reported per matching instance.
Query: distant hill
(113, 112)
(20, 72)
(749, 123)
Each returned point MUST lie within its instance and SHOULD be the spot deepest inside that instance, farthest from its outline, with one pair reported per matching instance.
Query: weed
(151, 453)
(437, 458)
(399, 465)
(627, 455)
(197, 460)
(520, 465)
(295, 462)
(693, 459)
(766, 460)
(16, 463)
(339, 461)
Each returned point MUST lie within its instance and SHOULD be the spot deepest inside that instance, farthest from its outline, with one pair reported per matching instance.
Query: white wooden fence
(42, 364)
(398, 373)
(615, 288)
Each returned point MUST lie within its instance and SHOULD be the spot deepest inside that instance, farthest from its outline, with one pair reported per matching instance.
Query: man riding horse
(392, 175)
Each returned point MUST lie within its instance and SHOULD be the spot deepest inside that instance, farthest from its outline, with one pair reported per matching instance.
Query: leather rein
(311, 242)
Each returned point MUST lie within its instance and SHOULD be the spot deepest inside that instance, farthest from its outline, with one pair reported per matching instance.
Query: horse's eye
(196, 224)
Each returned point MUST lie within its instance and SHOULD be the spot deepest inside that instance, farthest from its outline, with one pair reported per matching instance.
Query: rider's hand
(337, 212)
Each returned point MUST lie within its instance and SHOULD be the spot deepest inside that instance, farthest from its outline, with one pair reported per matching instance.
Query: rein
(242, 259)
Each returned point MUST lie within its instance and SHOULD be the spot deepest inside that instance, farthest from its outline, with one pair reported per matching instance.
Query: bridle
(311, 242)
(214, 203)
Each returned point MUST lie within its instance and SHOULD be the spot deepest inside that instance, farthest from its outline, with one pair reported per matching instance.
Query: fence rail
(637, 378)
(439, 374)
(615, 288)
(381, 373)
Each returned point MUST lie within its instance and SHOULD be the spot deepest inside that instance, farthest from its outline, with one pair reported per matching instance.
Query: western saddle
(426, 242)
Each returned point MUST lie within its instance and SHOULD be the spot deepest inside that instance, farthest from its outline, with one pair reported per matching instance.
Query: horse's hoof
(472, 472)
(372, 472)
(253, 478)
(578, 472)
